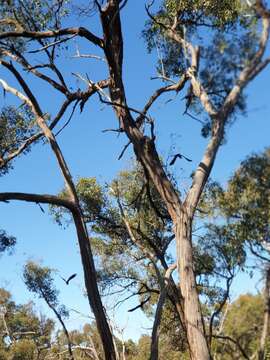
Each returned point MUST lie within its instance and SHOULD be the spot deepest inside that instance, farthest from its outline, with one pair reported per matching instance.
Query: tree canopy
(176, 248)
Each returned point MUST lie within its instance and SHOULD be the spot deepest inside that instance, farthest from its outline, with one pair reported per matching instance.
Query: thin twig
(52, 44)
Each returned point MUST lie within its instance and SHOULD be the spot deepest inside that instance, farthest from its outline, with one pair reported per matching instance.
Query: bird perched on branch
(70, 278)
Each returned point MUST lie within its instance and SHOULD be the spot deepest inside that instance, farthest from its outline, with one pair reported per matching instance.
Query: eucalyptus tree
(20, 127)
(243, 212)
(171, 23)
(132, 236)
(39, 280)
(131, 233)
(24, 334)
(241, 341)
(212, 67)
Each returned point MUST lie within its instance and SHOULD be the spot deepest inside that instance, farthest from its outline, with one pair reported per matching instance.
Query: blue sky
(90, 152)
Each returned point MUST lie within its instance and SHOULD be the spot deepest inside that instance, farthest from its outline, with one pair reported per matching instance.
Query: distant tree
(39, 280)
(239, 214)
(83, 343)
(131, 237)
(241, 341)
(23, 350)
(24, 335)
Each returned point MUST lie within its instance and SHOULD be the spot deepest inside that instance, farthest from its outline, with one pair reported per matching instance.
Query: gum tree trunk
(92, 288)
(265, 330)
(192, 310)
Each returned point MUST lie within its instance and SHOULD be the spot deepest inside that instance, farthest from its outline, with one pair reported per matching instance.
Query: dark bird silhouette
(180, 156)
(140, 305)
(70, 278)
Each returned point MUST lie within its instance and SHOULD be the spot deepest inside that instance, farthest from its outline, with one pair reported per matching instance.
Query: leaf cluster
(226, 34)
(16, 125)
(29, 15)
(39, 280)
(7, 242)
(27, 332)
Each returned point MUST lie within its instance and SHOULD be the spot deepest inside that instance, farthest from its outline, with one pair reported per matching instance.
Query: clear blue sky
(89, 152)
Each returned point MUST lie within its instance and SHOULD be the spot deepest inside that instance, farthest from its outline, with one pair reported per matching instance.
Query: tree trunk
(91, 287)
(59, 317)
(85, 249)
(264, 334)
(146, 153)
(192, 310)
(158, 315)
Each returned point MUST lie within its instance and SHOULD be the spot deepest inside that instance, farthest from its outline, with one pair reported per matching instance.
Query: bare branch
(37, 198)
(57, 42)
(175, 87)
(220, 307)
(20, 59)
(225, 337)
(220, 118)
(31, 101)
(124, 150)
(255, 65)
(142, 115)
(69, 119)
(25, 145)
(81, 31)
(87, 56)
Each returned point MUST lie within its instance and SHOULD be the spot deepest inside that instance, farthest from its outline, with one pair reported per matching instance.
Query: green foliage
(219, 252)
(7, 242)
(172, 336)
(23, 332)
(246, 202)
(39, 280)
(240, 214)
(23, 350)
(212, 12)
(237, 225)
(111, 242)
(226, 33)
(123, 265)
(150, 225)
(92, 197)
(16, 125)
(243, 323)
(248, 195)
(166, 351)
(31, 15)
